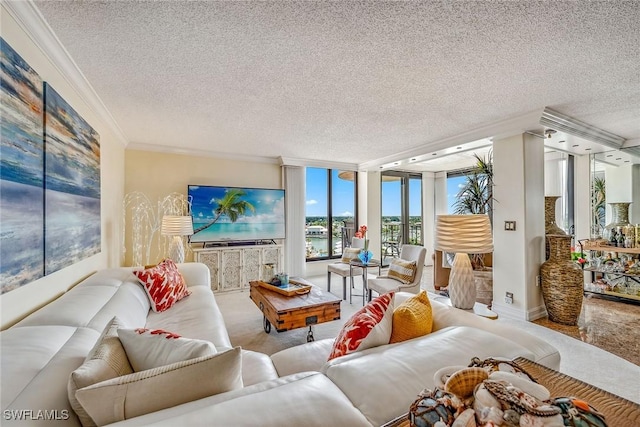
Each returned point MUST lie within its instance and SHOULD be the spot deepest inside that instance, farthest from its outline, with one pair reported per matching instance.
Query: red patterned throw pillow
(164, 285)
(369, 327)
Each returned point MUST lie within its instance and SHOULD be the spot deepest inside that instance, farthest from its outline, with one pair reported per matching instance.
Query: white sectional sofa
(294, 387)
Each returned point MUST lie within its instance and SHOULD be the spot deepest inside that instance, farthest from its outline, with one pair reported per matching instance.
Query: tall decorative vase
(620, 213)
(562, 282)
(550, 226)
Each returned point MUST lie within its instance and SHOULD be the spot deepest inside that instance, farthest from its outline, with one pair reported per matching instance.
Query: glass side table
(374, 263)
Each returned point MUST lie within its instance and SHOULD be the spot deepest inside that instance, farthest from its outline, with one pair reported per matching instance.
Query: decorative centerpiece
(550, 226)
(365, 254)
(619, 223)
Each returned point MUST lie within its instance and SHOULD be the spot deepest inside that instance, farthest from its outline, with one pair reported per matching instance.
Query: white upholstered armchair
(384, 284)
(342, 268)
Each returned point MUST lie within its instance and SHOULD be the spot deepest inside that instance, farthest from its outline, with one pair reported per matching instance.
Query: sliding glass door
(401, 196)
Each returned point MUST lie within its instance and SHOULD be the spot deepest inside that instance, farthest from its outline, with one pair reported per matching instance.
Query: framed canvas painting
(71, 183)
(21, 172)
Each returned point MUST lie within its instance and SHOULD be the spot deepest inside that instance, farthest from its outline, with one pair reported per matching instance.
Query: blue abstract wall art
(21, 171)
(72, 185)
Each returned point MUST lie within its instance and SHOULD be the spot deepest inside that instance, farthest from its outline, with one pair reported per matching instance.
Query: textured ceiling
(349, 81)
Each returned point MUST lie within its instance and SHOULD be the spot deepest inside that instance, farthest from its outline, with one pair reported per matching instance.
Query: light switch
(510, 225)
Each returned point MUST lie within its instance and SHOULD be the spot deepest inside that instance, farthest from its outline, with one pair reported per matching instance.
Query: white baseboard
(510, 312)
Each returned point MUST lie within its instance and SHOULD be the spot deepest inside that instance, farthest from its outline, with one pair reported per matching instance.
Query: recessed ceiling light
(626, 161)
(609, 155)
(619, 158)
(561, 142)
(434, 154)
(587, 149)
(458, 148)
(414, 159)
(575, 145)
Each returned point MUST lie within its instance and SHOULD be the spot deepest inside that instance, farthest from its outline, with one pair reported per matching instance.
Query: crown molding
(201, 153)
(561, 122)
(29, 18)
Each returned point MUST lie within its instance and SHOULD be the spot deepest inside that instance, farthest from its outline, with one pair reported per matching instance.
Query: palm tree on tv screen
(230, 205)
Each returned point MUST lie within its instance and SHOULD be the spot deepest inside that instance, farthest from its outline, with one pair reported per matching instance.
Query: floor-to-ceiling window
(330, 211)
(401, 196)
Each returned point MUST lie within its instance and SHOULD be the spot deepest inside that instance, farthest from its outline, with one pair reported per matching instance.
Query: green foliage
(598, 202)
(476, 196)
(230, 205)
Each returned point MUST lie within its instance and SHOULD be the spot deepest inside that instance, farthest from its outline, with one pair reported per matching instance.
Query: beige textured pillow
(155, 389)
(148, 349)
(349, 254)
(402, 270)
(105, 361)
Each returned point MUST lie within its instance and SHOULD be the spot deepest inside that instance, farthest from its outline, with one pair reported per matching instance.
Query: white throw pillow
(160, 388)
(148, 349)
(106, 360)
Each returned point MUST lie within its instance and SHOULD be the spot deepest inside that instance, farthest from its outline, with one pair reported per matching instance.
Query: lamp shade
(176, 225)
(469, 234)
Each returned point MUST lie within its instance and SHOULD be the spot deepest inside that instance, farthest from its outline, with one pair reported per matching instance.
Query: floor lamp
(176, 226)
(463, 235)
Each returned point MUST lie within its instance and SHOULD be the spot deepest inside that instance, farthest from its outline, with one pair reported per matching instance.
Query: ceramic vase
(562, 282)
(550, 226)
(620, 218)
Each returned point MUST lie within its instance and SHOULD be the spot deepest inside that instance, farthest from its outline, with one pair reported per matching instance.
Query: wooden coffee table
(297, 311)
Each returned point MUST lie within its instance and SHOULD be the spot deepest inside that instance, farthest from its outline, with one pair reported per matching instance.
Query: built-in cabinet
(615, 274)
(233, 267)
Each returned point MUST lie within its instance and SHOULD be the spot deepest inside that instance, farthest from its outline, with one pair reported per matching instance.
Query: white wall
(20, 302)
(519, 195)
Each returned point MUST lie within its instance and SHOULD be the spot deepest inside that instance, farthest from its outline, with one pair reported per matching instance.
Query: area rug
(610, 325)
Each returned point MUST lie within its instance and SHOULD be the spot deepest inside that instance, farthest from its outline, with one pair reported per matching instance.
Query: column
(519, 196)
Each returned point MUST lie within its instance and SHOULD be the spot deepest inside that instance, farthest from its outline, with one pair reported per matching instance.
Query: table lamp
(463, 235)
(176, 226)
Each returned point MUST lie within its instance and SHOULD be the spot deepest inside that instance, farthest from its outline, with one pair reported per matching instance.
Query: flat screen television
(236, 214)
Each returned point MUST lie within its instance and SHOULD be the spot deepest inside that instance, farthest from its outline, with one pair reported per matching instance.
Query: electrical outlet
(538, 280)
(510, 225)
(509, 298)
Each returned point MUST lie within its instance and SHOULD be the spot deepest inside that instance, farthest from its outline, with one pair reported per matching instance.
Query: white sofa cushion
(396, 373)
(197, 316)
(94, 302)
(148, 349)
(35, 368)
(159, 388)
(307, 399)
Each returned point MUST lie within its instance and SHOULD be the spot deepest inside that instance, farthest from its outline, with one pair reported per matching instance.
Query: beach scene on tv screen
(236, 214)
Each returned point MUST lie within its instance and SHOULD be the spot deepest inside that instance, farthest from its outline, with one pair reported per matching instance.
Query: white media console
(233, 267)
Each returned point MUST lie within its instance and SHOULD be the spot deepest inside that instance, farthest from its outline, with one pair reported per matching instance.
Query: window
(330, 212)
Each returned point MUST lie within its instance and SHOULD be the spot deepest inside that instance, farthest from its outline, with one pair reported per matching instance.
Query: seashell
(442, 375)
(511, 417)
(463, 382)
(484, 399)
(534, 389)
(529, 420)
(466, 419)
(490, 416)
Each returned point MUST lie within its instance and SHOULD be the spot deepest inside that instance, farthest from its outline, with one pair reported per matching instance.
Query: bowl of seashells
(495, 392)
